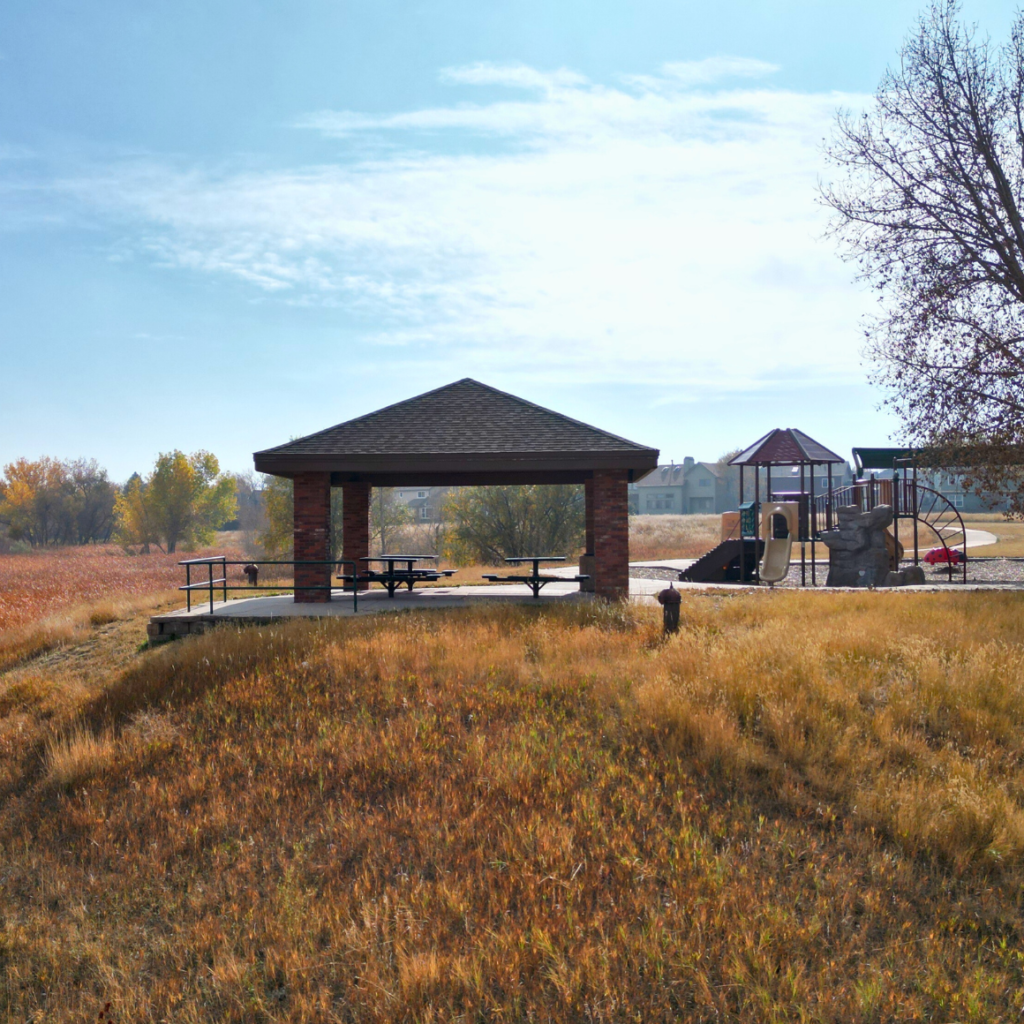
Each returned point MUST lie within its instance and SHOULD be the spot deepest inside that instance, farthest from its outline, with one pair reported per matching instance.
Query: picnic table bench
(391, 578)
(535, 581)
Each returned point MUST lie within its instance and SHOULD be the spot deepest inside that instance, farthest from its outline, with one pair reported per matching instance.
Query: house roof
(785, 447)
(462, 428)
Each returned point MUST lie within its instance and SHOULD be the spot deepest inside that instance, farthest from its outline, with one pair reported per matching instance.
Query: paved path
(980, 538)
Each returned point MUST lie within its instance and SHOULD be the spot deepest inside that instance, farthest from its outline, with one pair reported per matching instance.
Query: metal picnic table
(392, 578)
(535, 581)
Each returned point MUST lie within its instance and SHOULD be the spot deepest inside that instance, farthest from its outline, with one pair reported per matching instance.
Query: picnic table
(535, 581)
(391, 578)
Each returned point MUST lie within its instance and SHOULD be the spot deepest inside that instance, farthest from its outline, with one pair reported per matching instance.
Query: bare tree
(388, 515)
(930, 208)
(488, 524)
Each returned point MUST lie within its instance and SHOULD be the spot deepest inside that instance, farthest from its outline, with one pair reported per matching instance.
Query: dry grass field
(653, 537)
(56, 596)
(804, 807)
(1009, 532)
(650, 537)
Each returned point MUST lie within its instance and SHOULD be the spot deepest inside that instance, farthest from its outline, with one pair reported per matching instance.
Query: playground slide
(778, 523)
(775, 563)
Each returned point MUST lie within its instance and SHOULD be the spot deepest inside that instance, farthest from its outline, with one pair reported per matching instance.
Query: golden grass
(653, 537)
(1010, 534)
(803, 807)
(77, 756)
(73, 624)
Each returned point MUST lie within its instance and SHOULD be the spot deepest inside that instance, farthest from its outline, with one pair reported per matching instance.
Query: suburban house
(423, 502)
(950, 484)
(683, 488)
(692, 487)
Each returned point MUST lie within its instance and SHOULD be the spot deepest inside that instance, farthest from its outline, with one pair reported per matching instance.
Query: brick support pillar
(611, 534)
(311, 520)
(355, 526)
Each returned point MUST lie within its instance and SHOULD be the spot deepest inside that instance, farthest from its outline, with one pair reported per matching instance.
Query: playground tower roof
(785, 447)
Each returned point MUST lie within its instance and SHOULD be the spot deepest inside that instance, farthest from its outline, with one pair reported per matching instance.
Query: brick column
(355, 524)
(611, 534)
(311, 520)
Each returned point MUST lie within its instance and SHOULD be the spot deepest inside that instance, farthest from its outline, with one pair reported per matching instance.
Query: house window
(704, 483)
(957, 499)
(421, 494)
(424, 512)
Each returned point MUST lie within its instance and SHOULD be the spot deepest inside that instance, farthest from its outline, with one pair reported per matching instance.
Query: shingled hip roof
(789, 447)
(461, 427)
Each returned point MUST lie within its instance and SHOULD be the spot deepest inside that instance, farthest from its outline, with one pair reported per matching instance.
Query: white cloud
(648, 233)
(515, 76)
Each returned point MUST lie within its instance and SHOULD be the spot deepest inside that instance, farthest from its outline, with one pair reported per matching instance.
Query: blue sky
(224, 224)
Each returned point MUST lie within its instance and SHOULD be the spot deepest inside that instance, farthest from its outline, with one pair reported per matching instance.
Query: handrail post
(188, 584)
(224, 570)
(209, 565)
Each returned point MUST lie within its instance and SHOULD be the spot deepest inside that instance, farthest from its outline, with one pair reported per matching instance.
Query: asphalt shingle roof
(461, 428)
(461, 418)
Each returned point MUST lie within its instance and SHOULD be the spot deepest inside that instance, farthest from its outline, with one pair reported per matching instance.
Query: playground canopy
(465, 433)
(881, 458)
(786, 447)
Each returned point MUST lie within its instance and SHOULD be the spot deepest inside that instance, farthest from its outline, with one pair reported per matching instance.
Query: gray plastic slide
(777, 550)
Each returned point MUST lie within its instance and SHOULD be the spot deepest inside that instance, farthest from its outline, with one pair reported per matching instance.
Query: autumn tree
(488, 524)
(277, 536)
(252, 515)
(930, 206)
(182, 501)
(49, 501)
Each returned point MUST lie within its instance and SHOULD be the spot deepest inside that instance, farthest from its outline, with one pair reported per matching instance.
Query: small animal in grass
(253, 572)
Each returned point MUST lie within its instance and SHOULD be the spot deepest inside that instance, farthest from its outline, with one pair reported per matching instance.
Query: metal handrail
(221, 583)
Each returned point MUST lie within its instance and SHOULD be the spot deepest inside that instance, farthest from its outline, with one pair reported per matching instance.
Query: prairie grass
(803, 807)
(77, 756)
(73, 624)
(1009, 534)
(653, 537)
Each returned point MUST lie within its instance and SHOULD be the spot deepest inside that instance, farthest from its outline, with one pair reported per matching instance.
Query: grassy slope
(805, 807)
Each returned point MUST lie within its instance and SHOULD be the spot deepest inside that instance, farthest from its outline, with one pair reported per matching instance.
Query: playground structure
(758, 541)
(918, 506)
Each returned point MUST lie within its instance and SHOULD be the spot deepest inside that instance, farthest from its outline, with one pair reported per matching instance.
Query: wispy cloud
(662, 230)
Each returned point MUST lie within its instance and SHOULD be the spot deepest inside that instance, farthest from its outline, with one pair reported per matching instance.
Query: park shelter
(463, 434)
